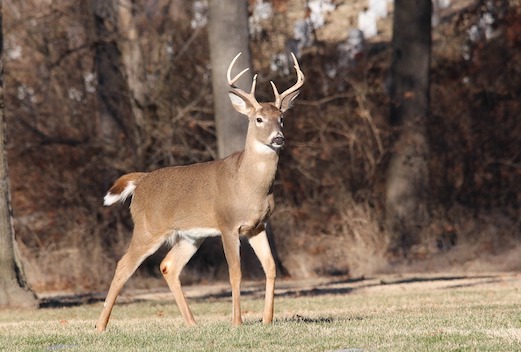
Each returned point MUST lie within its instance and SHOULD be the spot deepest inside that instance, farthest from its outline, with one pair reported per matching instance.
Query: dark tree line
(407, 193)
(120, 86)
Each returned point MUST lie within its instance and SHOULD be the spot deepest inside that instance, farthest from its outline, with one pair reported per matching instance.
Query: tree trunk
(227, 36)
(132, 58)
(407, 179)
(14, 290)
(114, 107)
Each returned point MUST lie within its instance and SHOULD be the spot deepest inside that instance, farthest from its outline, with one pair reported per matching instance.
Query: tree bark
(114, 105)
(132, 58)
(227, 36)
(408, 179)
(14, 290)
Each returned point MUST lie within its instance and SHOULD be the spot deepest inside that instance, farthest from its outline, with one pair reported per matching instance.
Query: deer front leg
(231, 245)
(262, 249)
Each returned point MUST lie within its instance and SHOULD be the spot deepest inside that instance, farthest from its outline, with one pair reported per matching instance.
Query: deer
(231, 197)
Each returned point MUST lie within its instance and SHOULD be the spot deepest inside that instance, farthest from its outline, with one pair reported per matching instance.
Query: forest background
(77, 118)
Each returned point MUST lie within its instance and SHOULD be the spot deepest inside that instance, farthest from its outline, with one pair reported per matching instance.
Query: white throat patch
(262, 148)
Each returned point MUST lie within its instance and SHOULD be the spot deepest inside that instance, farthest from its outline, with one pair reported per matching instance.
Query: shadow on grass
(337, 287)
(297, 318)
(321, 291)
(300, 319)
(72, 300)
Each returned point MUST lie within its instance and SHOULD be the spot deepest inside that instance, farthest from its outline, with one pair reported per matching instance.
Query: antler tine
(253, 84)
(231, 82)
(249, 96)
(295, 87)
(276, 94)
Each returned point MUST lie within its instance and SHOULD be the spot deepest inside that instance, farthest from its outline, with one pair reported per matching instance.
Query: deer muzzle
(277, 141)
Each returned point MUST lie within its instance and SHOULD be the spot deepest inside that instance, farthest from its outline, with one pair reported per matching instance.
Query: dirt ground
(386, 284)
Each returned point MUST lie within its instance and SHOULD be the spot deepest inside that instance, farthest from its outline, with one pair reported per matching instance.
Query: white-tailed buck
(231, 197)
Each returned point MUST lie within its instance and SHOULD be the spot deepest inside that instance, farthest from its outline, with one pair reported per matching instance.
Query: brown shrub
(331, 181)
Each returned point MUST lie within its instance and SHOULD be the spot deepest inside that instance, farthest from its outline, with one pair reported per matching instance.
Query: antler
(248, 96)
(296, 86)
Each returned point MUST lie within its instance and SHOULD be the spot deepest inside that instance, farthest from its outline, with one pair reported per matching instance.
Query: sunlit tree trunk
(132, 58)
(408, 179)
(14, 290)
(116, 128)
(228, 35)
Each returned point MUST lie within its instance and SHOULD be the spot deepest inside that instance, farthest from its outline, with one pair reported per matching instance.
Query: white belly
(194, 235)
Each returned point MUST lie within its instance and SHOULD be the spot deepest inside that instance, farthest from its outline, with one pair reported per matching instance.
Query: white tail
(231, 197)
(123, 188)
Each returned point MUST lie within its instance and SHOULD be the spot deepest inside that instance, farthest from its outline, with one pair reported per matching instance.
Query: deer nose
(278, 141)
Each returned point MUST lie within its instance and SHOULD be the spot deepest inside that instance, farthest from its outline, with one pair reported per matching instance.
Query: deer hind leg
(171, 268)
(141, 246)
(231, 245)
(262, 249)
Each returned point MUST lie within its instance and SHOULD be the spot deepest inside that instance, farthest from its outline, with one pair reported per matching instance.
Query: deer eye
(281, 121)
(259, 120)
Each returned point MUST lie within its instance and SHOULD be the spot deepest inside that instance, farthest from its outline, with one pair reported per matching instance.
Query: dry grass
(436, 313)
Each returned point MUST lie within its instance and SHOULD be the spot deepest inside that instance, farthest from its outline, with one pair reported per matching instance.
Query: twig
(324, 100)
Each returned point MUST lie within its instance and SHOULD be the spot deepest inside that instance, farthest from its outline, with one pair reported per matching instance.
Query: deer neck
(258, 166)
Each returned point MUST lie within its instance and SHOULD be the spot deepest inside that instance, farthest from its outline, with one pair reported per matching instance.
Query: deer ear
(287, 101)
(240, 104)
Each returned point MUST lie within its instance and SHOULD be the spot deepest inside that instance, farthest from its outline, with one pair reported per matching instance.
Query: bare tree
(132, 59)
(407, 180)
(227, 36)
(114, 104)
(14, 290)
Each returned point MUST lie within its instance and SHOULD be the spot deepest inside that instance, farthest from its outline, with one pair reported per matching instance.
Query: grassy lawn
(447, 316)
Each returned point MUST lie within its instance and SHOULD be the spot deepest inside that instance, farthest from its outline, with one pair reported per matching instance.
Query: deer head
(265, 119)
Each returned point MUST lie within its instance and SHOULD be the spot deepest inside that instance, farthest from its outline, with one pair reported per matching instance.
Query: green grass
(485, 318)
